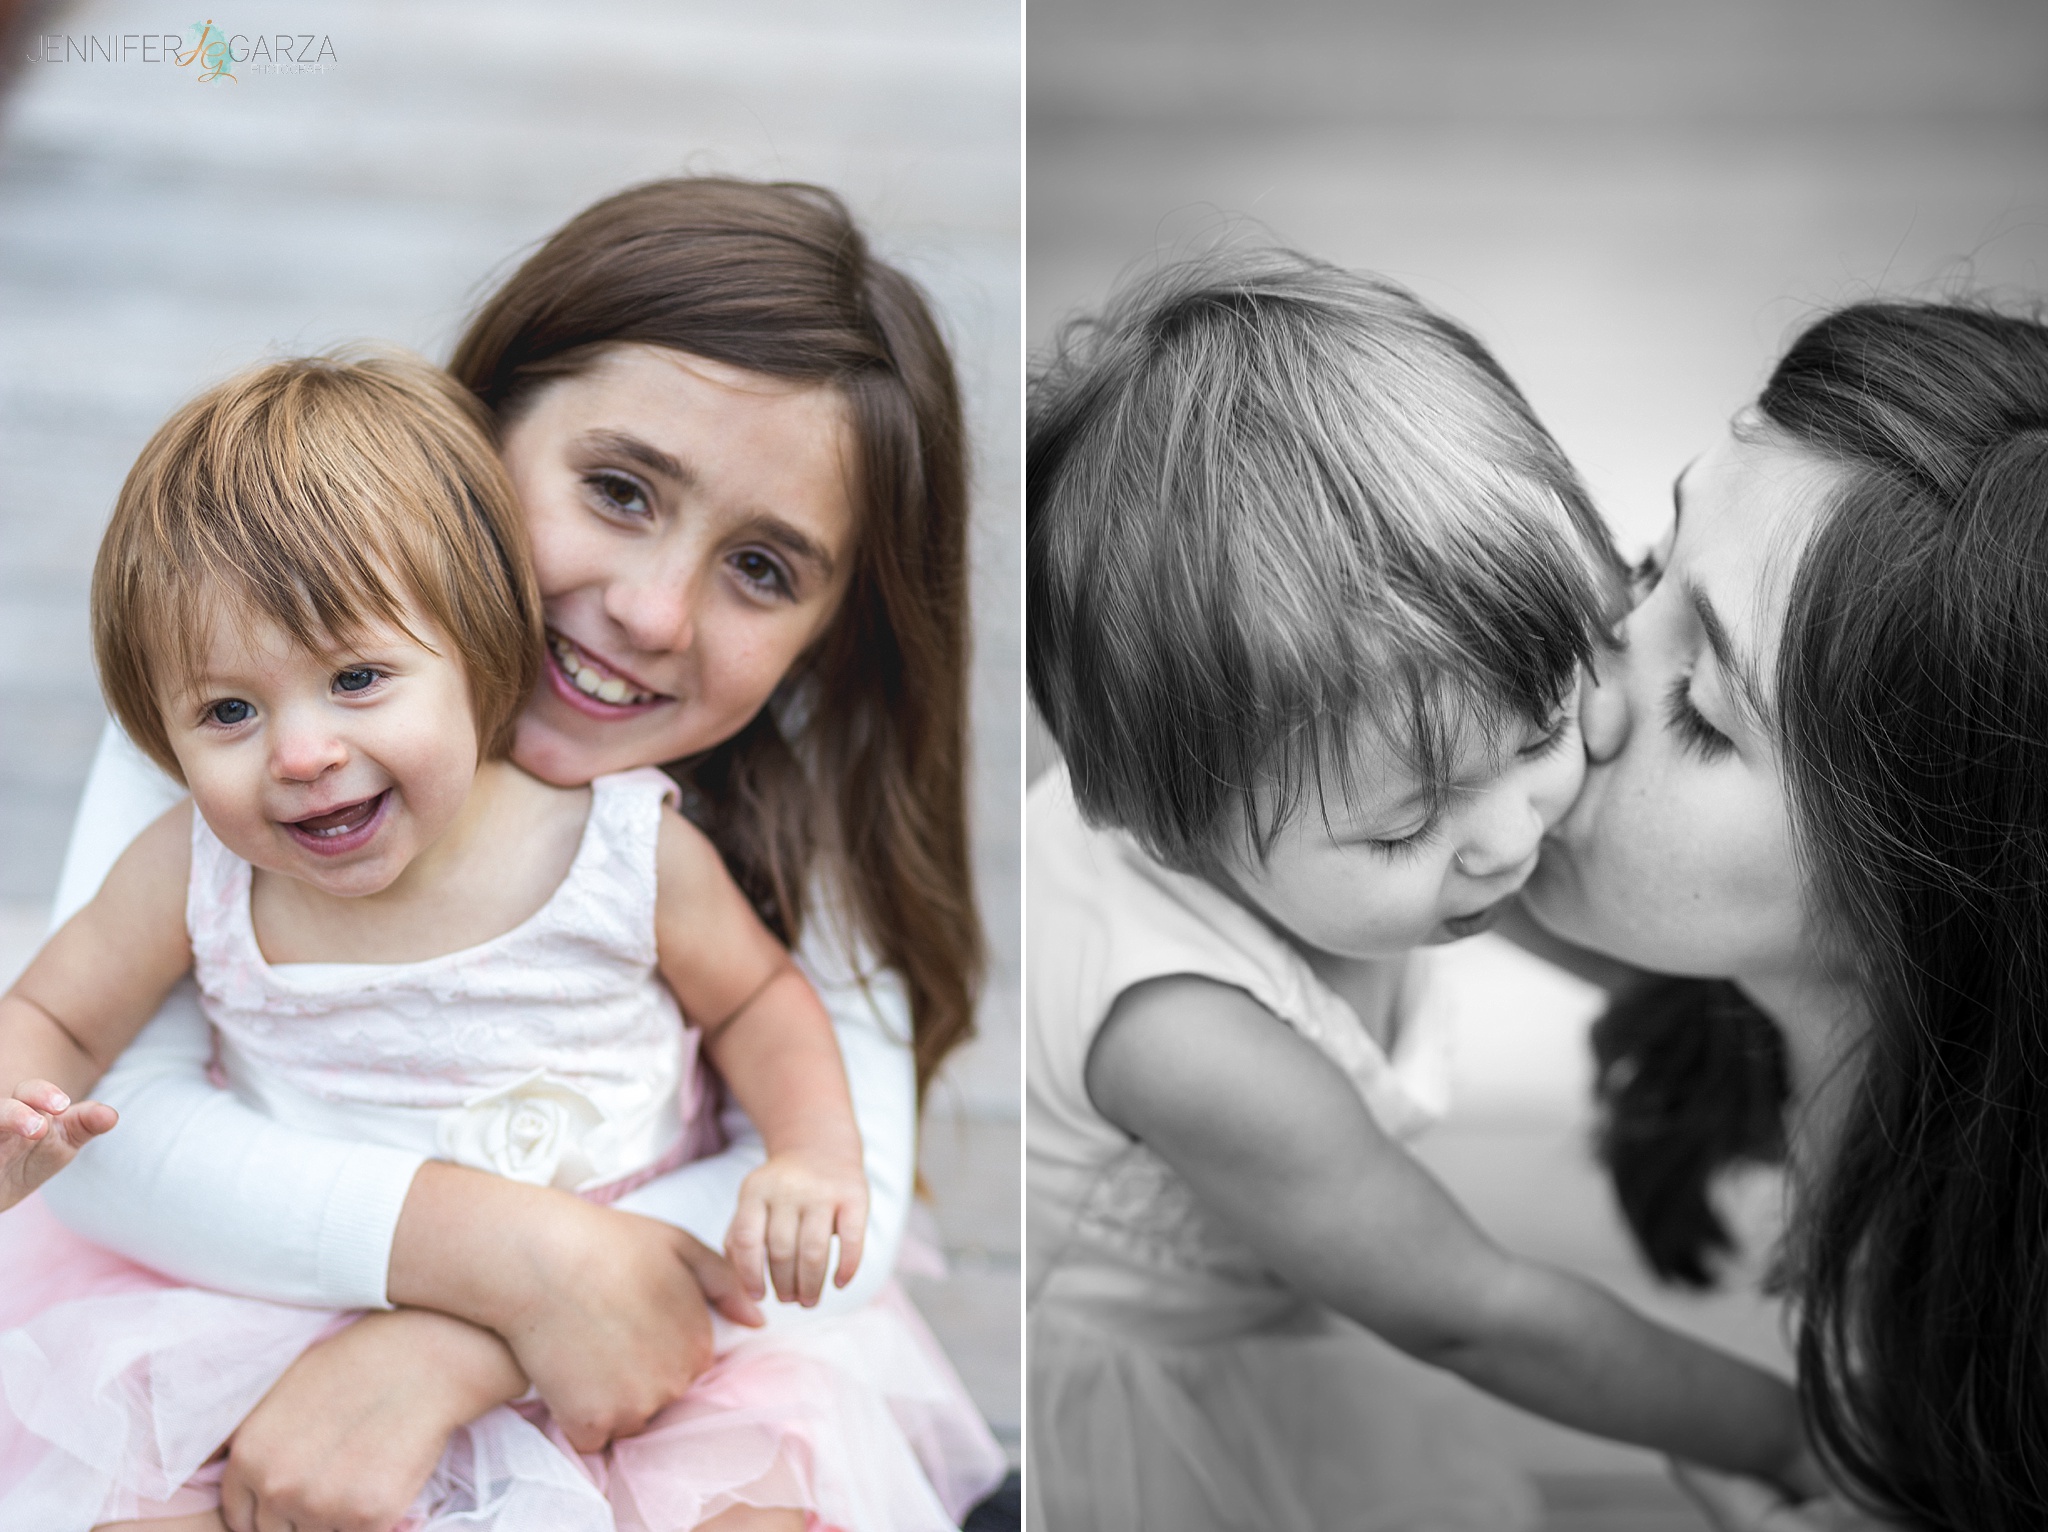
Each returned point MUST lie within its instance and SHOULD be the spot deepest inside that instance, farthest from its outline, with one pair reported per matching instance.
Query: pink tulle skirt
(118, 1388)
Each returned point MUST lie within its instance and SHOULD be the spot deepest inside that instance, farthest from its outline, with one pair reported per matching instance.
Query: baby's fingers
(853, 1236)
(813, 1253)
(43, 1096)
(745, 1243)
(20, 1120)
(87, 1121)
(784, 1228)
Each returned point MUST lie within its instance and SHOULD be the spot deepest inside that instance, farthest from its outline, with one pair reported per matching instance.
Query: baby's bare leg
(749, 1518)
(203, 1521)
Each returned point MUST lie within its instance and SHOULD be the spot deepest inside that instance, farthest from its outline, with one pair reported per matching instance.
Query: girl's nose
(1603, 707)
(656, 609)
(305, 752)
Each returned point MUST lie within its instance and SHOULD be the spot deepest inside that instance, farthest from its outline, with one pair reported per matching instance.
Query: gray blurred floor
(157, 233)
(1633, 202)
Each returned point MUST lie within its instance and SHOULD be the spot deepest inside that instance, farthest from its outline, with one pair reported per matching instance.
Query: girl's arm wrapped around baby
(1277, 1143)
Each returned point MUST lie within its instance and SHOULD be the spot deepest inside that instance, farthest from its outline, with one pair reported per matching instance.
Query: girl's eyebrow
(638, 450)
(796, 543)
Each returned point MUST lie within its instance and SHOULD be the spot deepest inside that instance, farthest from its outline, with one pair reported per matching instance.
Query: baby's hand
(41, 1129)
(789, 1210)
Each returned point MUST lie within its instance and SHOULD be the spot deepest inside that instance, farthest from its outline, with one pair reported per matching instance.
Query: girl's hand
(604, 1310)
(789, 1210)
(1746, 1505)
(347, 1438)
(41, 1131)
(616, 1331)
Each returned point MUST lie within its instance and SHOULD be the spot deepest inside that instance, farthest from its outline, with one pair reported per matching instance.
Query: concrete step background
(157, 233)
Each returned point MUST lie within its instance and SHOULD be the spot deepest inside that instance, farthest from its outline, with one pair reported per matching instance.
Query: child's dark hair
(1266, 498)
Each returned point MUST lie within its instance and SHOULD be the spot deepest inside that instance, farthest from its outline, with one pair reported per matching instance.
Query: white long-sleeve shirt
(199, 1185)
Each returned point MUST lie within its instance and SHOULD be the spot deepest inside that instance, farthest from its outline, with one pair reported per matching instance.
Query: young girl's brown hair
(325, 493)
(866, 772)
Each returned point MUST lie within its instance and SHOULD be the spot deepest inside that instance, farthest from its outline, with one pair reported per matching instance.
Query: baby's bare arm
(83, 998)
(772, 1042)
(1276, 1142)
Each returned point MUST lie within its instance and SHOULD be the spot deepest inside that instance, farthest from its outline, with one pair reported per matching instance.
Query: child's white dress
(1175, 1384)
(551, 1054)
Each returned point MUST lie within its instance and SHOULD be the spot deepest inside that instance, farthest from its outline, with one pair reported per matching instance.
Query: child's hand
(346, 1439)
(789, 1210)
(41, 1130)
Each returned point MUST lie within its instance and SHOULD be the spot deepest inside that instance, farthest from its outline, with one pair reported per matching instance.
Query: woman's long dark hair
(1912, 684)
(867, 774)
(1913, 687)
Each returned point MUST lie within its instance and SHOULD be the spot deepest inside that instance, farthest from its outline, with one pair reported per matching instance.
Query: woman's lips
(340, 830)
(592, 687)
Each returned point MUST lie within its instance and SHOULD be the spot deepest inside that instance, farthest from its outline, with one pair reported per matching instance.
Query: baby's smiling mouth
(345, 827)
(593, 677)
(349, 816)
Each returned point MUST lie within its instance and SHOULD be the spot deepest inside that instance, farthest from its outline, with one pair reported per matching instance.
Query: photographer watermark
(206, 48)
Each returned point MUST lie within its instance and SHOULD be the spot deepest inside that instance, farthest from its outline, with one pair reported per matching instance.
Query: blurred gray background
(1635, 203)
(158, 233)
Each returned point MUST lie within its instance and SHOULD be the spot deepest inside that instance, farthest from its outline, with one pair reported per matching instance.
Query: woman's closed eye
(1690, 725)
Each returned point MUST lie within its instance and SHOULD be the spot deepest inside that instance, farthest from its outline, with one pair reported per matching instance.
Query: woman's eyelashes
(1689, 725)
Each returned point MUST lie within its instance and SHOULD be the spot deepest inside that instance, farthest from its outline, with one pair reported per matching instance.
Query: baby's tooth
(613, 690)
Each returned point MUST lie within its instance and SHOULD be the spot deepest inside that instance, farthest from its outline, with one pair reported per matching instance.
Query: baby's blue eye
(231, 712)
(354, 680)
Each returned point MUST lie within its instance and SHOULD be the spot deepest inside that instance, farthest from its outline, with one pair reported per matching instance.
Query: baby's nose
(1505, 839)
(303, 754)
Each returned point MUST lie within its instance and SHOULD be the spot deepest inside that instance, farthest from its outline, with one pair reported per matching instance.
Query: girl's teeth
(591, 684)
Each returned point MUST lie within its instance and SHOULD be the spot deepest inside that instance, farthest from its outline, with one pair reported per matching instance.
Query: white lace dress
(1175, 1383)
(551, 1054)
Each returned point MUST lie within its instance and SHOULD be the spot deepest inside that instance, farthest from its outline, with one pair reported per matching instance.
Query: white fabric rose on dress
(533, 1130)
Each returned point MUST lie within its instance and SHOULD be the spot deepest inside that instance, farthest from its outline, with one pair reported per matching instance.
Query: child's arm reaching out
(83, 998)
(1277, 1143)
(772, 1042)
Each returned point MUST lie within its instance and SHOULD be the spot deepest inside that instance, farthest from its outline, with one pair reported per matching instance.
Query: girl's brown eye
(761, 572)
(619, 493)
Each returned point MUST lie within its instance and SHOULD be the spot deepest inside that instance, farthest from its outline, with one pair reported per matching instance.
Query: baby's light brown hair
(326, 493)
